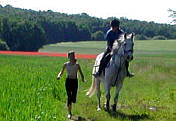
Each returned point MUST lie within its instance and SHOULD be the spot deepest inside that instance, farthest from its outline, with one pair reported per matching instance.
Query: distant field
(142, 48)
(87, 47)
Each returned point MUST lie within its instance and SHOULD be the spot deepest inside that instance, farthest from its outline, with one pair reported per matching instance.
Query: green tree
(159, 37)
(141, 37)
(28, 30)
(173, 14)
(3, 45)
(30, 36)
(98, 35)
(22, 35)
(83, 33)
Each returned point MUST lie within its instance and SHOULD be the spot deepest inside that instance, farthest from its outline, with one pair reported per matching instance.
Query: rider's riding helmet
(115, 23)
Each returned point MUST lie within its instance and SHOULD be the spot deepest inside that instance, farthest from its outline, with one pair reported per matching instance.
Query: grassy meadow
(141, 48)
(29, 90)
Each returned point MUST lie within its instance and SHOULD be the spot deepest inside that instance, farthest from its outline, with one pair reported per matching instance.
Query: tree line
(29, 30)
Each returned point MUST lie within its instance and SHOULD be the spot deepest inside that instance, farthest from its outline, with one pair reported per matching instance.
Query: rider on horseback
(112, 34)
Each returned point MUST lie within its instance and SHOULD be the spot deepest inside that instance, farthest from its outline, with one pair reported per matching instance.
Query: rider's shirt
(111, 36)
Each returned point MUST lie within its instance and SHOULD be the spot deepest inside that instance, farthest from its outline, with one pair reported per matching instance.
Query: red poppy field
(84, 56)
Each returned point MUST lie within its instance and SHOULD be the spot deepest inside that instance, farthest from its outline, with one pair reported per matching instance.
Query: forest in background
(29, 30)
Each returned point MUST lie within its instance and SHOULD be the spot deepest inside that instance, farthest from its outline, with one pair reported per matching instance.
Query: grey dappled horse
(115, 72)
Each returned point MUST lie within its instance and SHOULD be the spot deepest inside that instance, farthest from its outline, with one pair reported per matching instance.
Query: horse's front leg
(98, 94)
(107, 92)
(118, 87)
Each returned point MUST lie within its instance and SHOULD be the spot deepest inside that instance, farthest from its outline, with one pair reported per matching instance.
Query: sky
(144, 10)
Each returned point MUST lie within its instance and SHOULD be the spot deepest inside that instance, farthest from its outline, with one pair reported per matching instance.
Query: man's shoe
(130, 75)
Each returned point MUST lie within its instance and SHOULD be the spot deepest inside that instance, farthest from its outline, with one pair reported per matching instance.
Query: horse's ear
(132, 35)
(125, 36)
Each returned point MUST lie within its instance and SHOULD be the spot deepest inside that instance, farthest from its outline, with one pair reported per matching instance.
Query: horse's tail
(93, 85)
(92, 88)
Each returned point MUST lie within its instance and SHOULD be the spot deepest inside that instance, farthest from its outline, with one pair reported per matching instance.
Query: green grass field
(29, 90)
(148, 48)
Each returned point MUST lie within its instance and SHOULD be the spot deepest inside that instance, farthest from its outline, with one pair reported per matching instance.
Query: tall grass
(29, 90)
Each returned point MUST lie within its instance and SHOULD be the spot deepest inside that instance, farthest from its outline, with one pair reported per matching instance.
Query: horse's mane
(117, 43)
(122, 39)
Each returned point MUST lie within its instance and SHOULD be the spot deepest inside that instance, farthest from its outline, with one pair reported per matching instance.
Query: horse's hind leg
(98, 94)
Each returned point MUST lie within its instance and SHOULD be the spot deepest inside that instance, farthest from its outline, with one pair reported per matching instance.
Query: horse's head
(128, 46)
(124, 46)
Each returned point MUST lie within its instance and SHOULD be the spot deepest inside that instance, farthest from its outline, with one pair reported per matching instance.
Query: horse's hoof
(114, 108)
(69, 116)
(106, 108)
(98, 109)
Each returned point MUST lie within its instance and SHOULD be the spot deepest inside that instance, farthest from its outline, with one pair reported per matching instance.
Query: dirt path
(85, 56)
